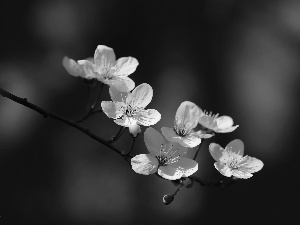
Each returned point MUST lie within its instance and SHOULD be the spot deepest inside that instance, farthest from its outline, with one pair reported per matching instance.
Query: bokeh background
(237, 58)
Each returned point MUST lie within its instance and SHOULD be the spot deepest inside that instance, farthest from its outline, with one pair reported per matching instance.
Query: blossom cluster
(167, 151)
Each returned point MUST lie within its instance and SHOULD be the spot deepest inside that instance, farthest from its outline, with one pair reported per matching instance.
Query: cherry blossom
(77, 70)
(127, 109)
(164, 157)
(186, 119)
(110, 71)
(213, 123)
(231, 162)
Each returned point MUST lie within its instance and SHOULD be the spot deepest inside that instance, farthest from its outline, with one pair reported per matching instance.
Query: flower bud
(167, 199)
(134, 130)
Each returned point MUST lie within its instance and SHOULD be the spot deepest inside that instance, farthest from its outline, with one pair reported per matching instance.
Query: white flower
(110, 71)
(186, 119)
(127, 109)
(165, 158)
(230, 161)
(77, 70)
(222, 124)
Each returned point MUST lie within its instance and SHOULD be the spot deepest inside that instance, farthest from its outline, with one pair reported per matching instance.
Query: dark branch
(45, 114)
(224, 182)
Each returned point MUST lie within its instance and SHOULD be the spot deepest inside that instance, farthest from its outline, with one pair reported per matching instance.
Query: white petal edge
(116, 95)
(125, 66)
(182, 168)
(104, 57)
(153, 141)
(144, 164)
(236, 146)
(109, 109)
(224, 122)
(141, 96)
(223, 169)
(72, 67)
(187, 115)
(147, 117)
(216, 151)
(171, 136)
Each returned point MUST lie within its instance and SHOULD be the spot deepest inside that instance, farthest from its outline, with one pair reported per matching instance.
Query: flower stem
(117, 136)
(45, 113)
(91, 109)
(133, 142)
(224, 182)
(202, 140)
(98, 98)
(178, 189)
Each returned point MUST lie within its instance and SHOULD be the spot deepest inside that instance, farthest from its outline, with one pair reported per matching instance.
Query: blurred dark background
(236, 58)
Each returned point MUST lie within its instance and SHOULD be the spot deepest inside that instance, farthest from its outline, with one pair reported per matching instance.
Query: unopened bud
(167, 199)
(134, 130)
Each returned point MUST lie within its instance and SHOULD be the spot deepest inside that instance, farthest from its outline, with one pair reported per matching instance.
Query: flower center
(234, 161)
(129, 111)
(181, 131)
(106, 73)
(165, 156)
(162, 160)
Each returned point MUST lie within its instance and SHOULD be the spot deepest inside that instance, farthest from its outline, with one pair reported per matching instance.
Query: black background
(236, 58)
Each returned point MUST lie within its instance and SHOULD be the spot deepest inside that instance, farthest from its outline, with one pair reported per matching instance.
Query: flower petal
(236, 146)
(187, 115)
(223, 169)
(229, 129)
(147, 117)
(120, 85)
(251, 164)
(172, 136)
(104, 57)
(241, 174)
(173, 150)
(109, 109)
(153, 141)
(208, 122)
(169, 172)
(88, 69)
(182, 168)
(125, 121)
(191, 140)
(144, 164)
(141, 96)
(216, 151)
(128, 82)
(224, 122)
(72, 67)
(186, 165)
(116, 95)
(125, 66)
(203, 134)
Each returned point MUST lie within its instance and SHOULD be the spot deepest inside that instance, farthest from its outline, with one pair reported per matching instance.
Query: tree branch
(45, 114)
(23, 101)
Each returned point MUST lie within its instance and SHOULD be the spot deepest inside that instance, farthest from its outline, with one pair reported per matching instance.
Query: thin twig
(133, 142)
(117, 136)
(91, 109)
(202, 140)
(224, 182)
(45, 114)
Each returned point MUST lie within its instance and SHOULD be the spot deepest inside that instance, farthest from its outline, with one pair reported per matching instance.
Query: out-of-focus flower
(186, 119)
(127, 109)
(231, 162)
(77, 70)
(165, 158)
(110, 71)
(213, 123)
